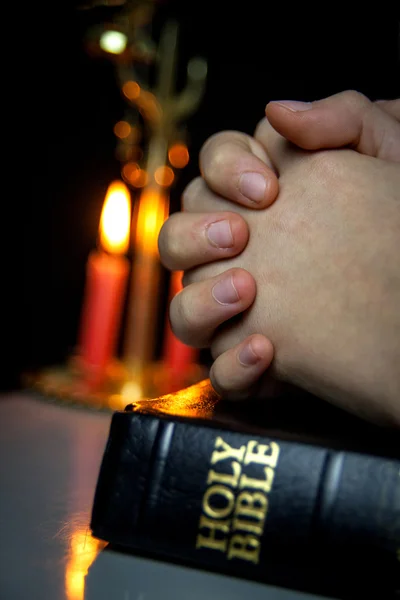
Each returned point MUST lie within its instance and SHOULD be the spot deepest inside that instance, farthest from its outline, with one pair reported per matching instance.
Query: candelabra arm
(184, 104)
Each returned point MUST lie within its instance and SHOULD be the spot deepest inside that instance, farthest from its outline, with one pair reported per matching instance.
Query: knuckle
(355, 99)
(185, 319)
(169, 243)
(190, 194)
(213, 154)
(162, 244)
(212, 167)
(163, 239)
(211, 143)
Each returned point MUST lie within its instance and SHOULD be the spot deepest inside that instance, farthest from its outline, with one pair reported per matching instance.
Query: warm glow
(130, 171)
(152, 212)
(134, 175)
(145, 100)
(113, 42)
(131, 90)
(197, 401)
(178, 155)
(149, 106)
(164, 176)
(122, 129)
(131, 391)
(82, 552)
(115, 219)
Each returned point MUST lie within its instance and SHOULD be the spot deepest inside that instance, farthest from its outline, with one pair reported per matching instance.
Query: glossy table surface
(50, 455)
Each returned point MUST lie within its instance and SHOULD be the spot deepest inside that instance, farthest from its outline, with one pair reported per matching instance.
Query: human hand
(188, 240)
(347, 119)
(229, 358)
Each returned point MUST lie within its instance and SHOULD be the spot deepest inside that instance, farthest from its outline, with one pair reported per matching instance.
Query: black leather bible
(296, 494)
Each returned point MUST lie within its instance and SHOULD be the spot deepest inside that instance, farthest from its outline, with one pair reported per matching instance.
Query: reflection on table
(50, 455)
(127, 577)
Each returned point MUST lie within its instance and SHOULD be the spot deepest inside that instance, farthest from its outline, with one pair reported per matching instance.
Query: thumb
(345, 119)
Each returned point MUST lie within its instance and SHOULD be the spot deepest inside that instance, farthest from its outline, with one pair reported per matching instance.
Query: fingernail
(253, 185)
(294, 105)
(220, 234)
(247, 357)
(224, 292)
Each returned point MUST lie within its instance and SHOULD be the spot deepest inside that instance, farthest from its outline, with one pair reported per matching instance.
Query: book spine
(286, 513)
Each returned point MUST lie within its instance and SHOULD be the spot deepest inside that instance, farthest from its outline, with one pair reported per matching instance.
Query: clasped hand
(290, 245)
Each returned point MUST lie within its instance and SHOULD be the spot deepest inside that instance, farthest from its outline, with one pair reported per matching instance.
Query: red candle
(107, 272)
(177, 356)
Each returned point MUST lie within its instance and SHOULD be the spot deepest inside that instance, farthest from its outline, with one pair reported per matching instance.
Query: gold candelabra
(150, 147)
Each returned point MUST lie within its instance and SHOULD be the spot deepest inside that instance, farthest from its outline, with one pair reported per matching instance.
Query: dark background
(71, 102)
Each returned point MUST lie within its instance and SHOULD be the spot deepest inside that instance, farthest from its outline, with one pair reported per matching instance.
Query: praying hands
(290, 246)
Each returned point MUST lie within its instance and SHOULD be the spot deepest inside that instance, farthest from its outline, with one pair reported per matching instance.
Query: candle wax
(106, 280)
(177, 355)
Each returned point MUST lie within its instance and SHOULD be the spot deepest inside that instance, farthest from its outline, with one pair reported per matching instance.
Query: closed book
(296, 494)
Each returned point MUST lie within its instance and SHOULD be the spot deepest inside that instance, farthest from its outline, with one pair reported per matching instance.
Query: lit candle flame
(152, 212)
(115, 219)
